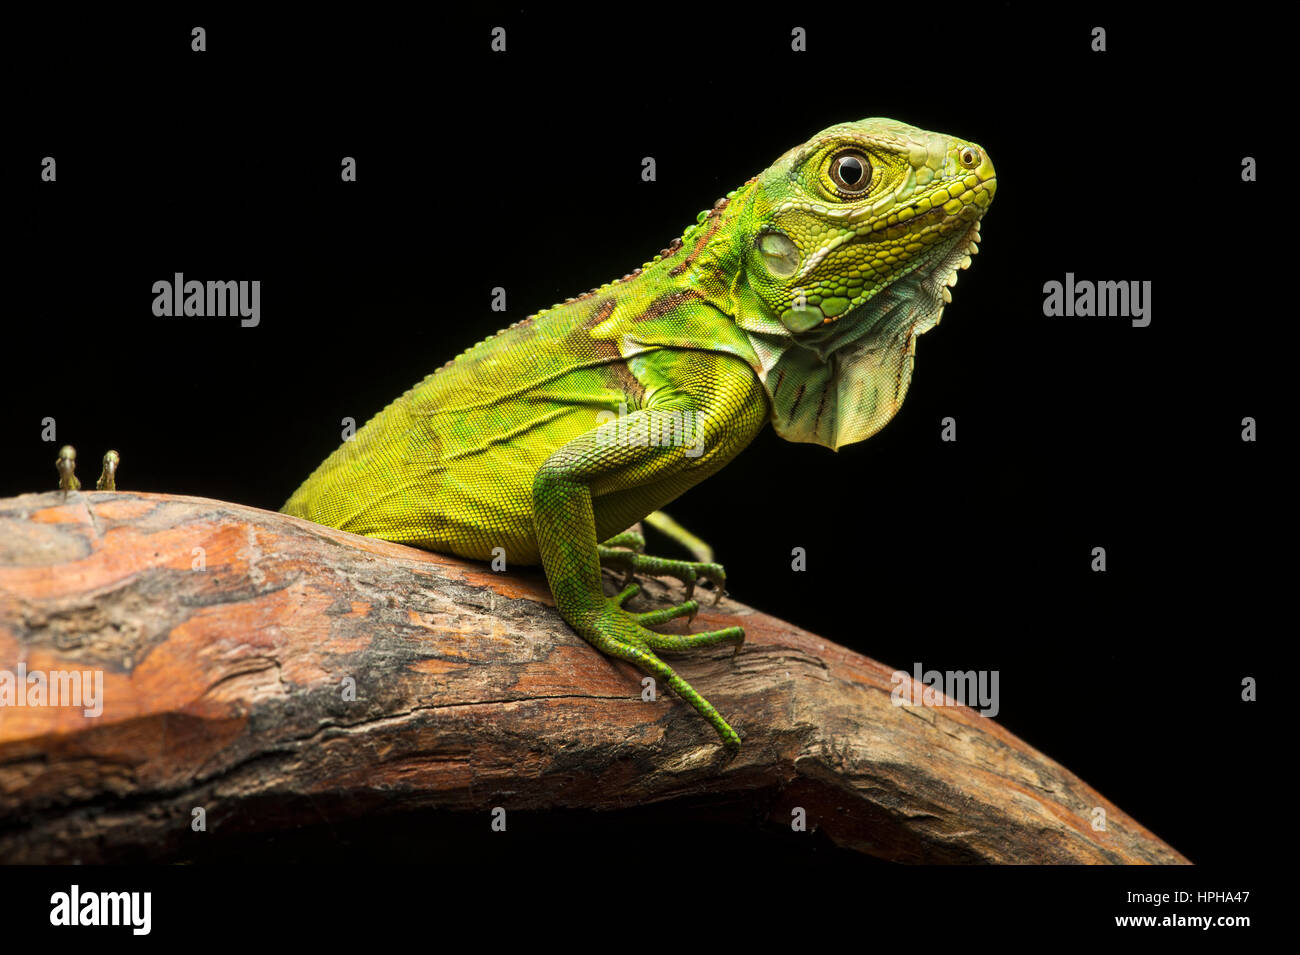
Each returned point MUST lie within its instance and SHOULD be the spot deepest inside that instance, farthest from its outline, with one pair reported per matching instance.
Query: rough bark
(226, 636)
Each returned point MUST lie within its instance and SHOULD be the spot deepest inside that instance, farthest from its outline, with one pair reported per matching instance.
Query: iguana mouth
(935, 279)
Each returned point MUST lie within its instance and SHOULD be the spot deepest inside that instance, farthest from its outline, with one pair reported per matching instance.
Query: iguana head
(851, 243)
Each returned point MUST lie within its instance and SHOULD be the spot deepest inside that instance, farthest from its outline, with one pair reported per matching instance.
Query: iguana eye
(969, 156)
(851, 171)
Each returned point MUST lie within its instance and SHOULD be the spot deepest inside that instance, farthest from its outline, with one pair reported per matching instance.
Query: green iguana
(796, 299)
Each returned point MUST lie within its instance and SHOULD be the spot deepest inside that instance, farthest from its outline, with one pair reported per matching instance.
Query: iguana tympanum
(796, 299)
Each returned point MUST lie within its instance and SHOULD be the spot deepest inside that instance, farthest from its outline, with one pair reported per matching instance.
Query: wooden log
(227, 638)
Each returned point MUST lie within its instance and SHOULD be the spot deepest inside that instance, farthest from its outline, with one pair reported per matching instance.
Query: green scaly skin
(797, 300)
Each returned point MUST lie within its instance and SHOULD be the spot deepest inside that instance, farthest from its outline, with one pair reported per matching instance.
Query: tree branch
(227, 635)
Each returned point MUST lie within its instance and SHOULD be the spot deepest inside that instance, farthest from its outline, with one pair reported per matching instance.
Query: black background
(522, 170)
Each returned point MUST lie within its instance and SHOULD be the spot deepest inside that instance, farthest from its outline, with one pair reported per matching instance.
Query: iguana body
(795, 300)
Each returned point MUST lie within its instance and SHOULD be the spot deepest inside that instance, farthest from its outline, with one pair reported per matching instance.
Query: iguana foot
(687, 571)
(650, 618)
(622, 634)
(633, 540)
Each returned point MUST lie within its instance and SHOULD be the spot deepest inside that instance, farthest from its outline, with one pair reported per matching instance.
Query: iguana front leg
(595, 482)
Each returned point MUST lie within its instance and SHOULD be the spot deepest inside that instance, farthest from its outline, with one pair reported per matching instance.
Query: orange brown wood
(227, 636)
